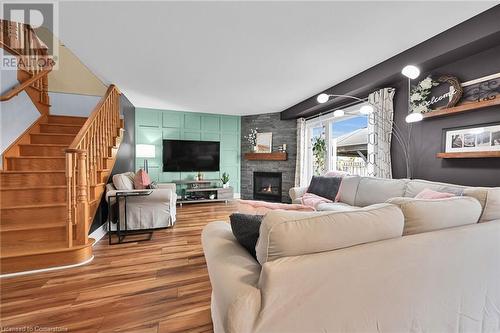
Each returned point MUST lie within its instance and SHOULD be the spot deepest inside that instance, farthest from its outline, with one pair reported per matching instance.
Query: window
(349, 142)
(337, 143)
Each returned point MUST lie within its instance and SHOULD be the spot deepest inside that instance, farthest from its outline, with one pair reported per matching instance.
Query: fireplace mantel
(274, 156)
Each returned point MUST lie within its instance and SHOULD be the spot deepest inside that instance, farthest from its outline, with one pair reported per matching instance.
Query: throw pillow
(124, 181)
(430, 194)
(423, 215)
(326, 187)
(340, 174)
(246, 230)
(141, 180)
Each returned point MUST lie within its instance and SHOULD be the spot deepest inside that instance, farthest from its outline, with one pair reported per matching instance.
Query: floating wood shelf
(476, 154)
(462, 108)
(274, 156)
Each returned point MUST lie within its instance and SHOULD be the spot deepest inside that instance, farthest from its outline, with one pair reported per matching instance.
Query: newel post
(69, 197)
(82, 202)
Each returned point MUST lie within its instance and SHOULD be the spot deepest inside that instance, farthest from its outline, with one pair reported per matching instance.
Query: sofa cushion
(335, 207)
(245, 229)
(422, 215)
(489, 198)
(415, 186)
(348, 189)
(124, 181)
(326, 187)
(376, 190)
(284, 234)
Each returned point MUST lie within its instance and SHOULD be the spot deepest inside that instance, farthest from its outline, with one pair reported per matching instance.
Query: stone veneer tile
(284, 131)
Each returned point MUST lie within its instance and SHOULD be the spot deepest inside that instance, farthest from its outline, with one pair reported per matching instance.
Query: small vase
(254, 149)
(226, 185)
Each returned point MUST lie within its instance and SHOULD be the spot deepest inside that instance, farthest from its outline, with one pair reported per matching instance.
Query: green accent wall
(152, 126)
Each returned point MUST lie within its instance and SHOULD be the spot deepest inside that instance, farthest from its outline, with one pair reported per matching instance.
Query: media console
(203, 191)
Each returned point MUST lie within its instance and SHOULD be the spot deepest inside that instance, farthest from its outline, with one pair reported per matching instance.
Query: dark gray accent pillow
(326, 187)
(246, 230)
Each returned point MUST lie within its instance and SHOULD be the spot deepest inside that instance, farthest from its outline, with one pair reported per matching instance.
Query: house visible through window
(349, 141)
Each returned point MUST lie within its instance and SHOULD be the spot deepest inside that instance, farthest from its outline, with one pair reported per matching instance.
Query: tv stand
(201, 191)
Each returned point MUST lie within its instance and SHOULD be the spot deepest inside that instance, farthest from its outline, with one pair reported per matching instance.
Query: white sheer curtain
(380, 124)
(300, 166)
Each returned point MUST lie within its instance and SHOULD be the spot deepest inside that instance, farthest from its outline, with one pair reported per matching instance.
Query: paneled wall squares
(153, 126)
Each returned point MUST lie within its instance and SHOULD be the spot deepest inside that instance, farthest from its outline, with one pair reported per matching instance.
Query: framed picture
(264, 142)
(472, 138)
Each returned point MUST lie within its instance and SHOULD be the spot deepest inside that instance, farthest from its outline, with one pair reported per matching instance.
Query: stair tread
(66, 116)
(61, 124)
(60, 204)
(45, 144)
(31, 171)
(35, 226)
(54, 134)
(40, 248)
(37, 157)
(37, 187)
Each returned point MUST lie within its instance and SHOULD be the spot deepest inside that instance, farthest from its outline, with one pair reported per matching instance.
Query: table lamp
(145, 151)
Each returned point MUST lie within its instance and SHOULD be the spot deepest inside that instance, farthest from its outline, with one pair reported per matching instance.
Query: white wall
(72, 104)
(17, 114)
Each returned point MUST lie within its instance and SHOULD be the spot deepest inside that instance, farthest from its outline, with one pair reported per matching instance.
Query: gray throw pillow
(326, 187)
(246, 230)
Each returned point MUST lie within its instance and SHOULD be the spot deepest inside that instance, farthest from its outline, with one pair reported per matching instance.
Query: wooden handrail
(78, 138)
(22, 86)
(34, 62)
(86, 161)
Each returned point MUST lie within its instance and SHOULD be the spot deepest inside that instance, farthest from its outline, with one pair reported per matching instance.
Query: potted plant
(319, 154)
(252, 138)
(225, 180)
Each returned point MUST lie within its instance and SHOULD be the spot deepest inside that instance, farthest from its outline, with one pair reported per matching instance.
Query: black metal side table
(124, 233)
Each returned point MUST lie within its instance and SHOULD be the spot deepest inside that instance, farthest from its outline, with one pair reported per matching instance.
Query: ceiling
(244, 58)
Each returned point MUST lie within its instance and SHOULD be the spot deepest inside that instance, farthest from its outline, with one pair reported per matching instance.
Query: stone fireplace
(284, 131)
(267, 186)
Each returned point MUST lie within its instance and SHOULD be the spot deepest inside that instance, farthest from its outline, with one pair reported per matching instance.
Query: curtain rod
(348, 105)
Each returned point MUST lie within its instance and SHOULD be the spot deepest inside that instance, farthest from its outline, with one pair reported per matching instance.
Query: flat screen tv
(186, 155)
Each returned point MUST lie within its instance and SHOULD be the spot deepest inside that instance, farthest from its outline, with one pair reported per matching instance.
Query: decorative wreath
(419, 95)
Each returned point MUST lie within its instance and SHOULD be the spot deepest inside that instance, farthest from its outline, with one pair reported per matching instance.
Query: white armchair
(154, 211)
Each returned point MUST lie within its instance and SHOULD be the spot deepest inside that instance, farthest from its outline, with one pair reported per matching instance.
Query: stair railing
(34, 62)
(85, 161)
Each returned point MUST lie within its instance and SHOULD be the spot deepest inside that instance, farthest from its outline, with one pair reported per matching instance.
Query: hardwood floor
(160, 285)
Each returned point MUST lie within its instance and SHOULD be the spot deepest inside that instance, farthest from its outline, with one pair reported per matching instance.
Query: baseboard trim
(99, 233)
(44, 270)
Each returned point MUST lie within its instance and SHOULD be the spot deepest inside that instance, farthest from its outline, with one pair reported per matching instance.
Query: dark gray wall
(427, 134)
(284, 131)
(125, 159)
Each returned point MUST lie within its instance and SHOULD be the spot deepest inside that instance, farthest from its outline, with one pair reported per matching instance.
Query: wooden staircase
(53, 178)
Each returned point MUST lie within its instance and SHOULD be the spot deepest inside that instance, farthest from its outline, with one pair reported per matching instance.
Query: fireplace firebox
(267, 186)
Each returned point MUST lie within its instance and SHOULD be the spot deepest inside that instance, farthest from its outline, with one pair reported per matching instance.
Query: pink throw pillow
(430, 194)
(141, 180)
(311, 200)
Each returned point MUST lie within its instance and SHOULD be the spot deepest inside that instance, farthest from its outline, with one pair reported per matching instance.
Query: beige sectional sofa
(371, 279)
